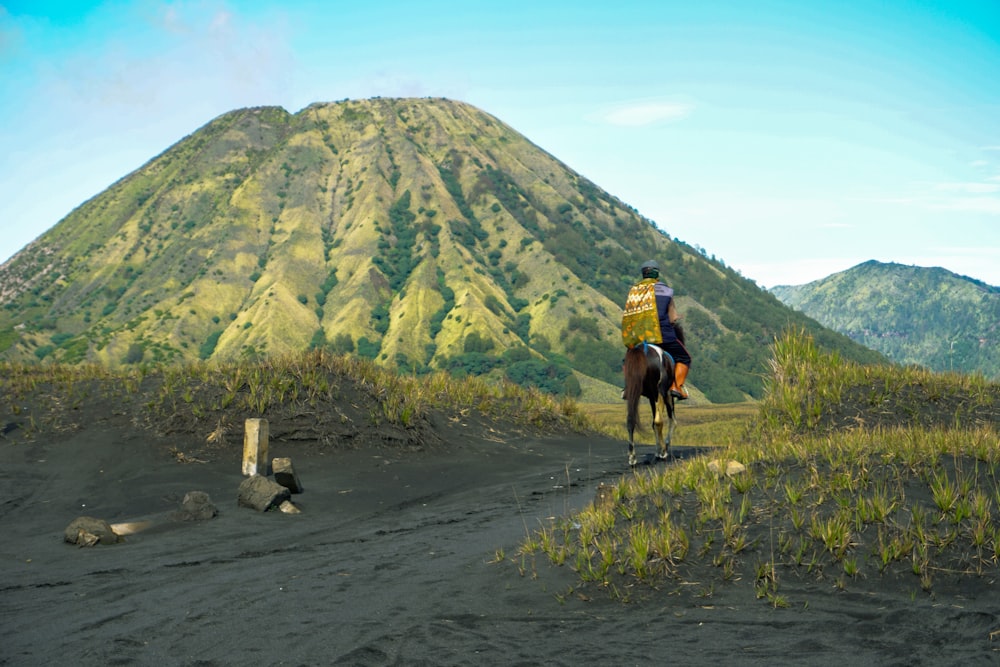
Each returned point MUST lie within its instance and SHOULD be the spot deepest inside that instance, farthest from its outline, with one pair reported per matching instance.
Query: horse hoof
(663, 457)
(632, 461)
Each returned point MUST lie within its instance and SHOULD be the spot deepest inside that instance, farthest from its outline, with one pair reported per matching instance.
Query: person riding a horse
(667, 313)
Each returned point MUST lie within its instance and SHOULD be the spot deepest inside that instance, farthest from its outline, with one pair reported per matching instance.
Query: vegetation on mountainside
(913, 315)
(421, 234)
(852, 473)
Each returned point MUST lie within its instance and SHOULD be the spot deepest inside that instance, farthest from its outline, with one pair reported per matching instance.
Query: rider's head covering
(650, 269)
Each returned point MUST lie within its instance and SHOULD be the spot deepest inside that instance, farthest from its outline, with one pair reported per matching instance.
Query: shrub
(134, 354)
(208, 347)
(515, 354)
(585, 325)
(60, 338)
(472, 363)
(318, 340)
(493, 305)
(522, 326)
(546, 376)
(75, 351)
(330, 282)
(476, 343)
(343, 343)
(380, 318)
(368, 349)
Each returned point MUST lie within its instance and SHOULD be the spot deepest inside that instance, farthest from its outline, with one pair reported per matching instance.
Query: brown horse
(649, 372)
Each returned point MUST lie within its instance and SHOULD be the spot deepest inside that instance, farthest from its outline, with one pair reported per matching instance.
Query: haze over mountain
(914, 315)
(423, 233)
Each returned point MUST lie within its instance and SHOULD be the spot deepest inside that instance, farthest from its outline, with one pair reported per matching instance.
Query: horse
(649, 372)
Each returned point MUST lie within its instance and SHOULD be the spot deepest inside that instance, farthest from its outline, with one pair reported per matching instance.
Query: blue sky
(790, 140)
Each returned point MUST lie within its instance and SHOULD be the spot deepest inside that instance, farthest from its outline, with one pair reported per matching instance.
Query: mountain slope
(913, 315)
(422, 233)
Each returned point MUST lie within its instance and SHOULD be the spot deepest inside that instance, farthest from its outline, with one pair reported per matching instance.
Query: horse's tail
(634, 370)
(679, 330)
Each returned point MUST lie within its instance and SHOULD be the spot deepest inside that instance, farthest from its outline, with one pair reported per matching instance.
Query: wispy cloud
(640, 114)
(989, 205)
(968, 188)
(971, 251)
(968, 196)
(965, 196)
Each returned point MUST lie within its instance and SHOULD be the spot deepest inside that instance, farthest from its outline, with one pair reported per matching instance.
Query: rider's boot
(677, 389)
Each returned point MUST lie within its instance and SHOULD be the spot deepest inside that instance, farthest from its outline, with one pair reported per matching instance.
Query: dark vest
(664, 295)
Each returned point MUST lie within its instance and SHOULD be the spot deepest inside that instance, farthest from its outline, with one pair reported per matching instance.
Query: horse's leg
(668, 404)
(631, 447)
(658, 410)
(666, 408)
(631, 423)
(661, 443)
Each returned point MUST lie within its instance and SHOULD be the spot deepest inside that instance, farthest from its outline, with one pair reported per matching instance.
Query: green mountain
(422, 233)
(925, 316)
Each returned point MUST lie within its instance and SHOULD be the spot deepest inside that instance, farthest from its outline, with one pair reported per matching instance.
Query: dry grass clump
(809, 390)
(852, 474)
(315, 384)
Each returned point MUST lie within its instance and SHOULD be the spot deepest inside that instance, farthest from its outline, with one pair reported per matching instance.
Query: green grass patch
(852, 473)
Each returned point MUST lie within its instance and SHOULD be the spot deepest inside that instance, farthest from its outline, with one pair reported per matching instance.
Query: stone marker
(86, 531)
(284, 474)
(261, 493)
(255, 447)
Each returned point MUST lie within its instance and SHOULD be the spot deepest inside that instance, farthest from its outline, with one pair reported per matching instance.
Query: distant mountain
(421, 233)
(925, 316)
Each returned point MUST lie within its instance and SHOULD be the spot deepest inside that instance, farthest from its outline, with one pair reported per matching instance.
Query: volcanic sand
(394, 560)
